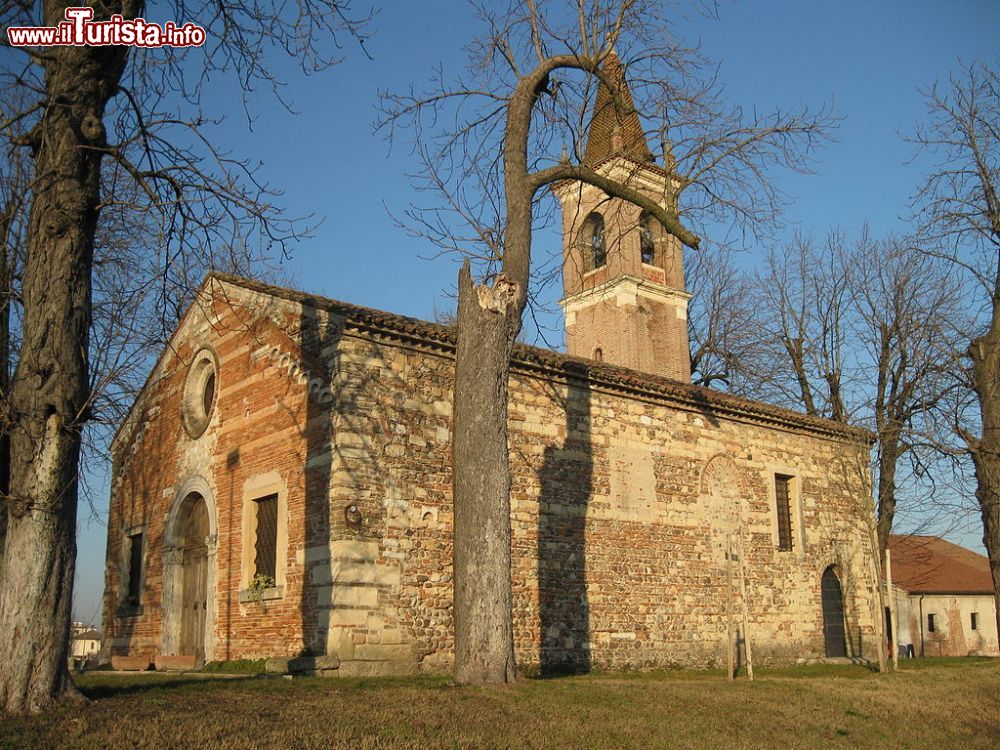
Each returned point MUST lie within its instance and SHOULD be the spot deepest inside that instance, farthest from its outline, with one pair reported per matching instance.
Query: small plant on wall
(258, 586)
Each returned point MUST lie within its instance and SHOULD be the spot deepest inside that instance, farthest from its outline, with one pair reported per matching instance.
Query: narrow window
(931, 623)
(974, 620)
(598, 354)
(592, 245)
(782, 499)
(267, 536)
(647, 246)
(134, 568)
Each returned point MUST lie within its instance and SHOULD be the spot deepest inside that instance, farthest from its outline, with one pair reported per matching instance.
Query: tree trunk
(49, 390)
(484, 639)
(6, 280)
(887, 460)
(985, 353)
(7, 261)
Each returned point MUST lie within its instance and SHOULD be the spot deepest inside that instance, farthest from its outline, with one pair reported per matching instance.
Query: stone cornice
(625, 284)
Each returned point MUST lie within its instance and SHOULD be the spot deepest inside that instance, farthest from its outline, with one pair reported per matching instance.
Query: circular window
(200, 392)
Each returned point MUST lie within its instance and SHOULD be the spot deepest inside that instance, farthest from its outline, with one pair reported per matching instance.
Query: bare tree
(958, 211)
(864, 332)
(803, 318)
(493, 146)
(905, 315)
(106, 130)
(723, 324)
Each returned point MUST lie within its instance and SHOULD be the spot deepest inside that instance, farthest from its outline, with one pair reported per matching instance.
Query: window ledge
(251, 597)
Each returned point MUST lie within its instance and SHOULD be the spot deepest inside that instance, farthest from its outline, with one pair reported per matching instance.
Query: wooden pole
(729, 605)
(746, 613)
(894, 631)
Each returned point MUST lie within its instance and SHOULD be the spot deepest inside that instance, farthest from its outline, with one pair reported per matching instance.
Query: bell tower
(623, 274)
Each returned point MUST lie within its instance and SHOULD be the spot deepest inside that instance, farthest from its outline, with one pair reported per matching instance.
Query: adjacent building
(944, 598)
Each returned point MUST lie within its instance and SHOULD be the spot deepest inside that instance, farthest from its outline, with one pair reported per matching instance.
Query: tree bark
(6, 281)
(49, 389)
(887, 461)
(985, 353)
(484, 639)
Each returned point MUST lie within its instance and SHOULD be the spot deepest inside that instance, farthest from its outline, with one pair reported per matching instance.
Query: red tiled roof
(540, 361)
(930, 565)
(533, 359)
(605, 119)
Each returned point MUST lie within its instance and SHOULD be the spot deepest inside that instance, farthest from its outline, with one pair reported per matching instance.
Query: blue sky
(867, 59)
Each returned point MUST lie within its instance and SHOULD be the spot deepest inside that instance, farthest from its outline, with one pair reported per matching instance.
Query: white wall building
(944, 598)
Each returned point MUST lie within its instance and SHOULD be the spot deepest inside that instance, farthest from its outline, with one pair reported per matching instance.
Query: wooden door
(194, 590)
(833, 614)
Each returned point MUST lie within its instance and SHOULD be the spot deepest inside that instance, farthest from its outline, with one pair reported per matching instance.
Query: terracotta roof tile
(931, 565)
(546, 362)
(605, 120)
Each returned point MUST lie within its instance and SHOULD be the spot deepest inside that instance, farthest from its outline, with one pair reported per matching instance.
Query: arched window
(592, 245)
(647, 243)
(598, 354)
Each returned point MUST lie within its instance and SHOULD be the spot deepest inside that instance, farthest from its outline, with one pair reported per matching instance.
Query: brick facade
(625, 490)
(626, 312)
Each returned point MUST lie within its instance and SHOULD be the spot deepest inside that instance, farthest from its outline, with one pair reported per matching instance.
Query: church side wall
(620, 511)
(618, 555)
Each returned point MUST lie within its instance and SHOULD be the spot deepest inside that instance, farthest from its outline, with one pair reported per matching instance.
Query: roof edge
(159, 359)
(543, 361)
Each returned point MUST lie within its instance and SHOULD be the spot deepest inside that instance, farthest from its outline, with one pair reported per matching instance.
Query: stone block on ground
(277, 665)
(376, 668)
(176, 663)
(313, 664)
(130, 663)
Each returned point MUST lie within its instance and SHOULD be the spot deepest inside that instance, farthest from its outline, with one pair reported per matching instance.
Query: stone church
(282, 484)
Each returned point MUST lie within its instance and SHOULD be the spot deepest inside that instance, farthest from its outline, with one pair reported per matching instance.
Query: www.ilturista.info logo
(79, 30)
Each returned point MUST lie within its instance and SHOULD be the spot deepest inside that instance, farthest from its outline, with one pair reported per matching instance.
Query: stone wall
(623, 499)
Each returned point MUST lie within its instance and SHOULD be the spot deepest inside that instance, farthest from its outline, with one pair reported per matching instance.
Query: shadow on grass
(109, 687)
(797, 671)
(100, 687)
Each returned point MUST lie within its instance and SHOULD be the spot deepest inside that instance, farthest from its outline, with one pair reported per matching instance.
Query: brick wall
(633, 312)
(621, 503)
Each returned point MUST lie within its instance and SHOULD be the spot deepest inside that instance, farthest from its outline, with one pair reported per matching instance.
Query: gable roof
(87, 635)
(549, 363)
(605, 121)
(931, 565)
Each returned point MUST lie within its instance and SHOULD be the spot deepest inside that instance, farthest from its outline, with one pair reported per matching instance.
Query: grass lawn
(934, 703)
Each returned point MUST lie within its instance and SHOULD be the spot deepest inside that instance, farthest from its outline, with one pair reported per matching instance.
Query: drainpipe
(922, 625)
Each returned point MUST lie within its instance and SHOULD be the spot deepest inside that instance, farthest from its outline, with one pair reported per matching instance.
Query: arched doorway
(194, 528)
(833, 613)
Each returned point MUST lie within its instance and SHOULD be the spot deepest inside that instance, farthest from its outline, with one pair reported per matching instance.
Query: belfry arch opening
(593, 245)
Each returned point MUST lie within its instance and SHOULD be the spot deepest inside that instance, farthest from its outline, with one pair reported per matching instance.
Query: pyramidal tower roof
(609, 133)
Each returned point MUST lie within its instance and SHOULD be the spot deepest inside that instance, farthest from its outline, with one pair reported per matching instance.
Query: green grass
(931, 704)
